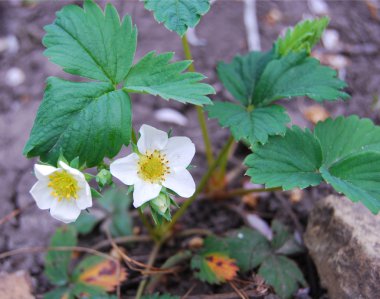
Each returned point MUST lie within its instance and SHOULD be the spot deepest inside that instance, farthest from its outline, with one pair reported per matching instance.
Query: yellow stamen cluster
(64, 185)
(153, 167)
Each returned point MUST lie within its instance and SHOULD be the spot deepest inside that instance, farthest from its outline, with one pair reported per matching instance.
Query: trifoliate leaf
(90, 43)
(98, 272)
(253, 125)
(283, 274)
(297, 75)
(290, 161)
(248, 247)
(86, 120)
(154, 74)
(178, 15)
(344, 152)
(302, 37)
(241, 75)
(57, 262)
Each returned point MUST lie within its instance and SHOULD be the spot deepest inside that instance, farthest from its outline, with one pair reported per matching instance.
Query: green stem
(152, 258)
(201, 116)
(202, 184)
(147, 225)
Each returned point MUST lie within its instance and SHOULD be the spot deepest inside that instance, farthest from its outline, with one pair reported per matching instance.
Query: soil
(224, 31)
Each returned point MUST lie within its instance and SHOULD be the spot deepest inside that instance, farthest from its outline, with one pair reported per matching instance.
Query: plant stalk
(200, 113)
(202, 184)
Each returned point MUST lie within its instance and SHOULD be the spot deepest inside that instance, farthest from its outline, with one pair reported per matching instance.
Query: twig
(54, 248)
(194, 231)
(189, 291)
(14, 213)
(242, 192)
(170, 262)
(239, 292)
(122, 240)
(152, 258)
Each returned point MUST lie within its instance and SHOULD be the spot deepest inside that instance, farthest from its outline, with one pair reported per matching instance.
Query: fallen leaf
(224, 268)
(106, 274)
(196, 243)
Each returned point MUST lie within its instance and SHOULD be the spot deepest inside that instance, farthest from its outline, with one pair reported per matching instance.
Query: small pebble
(14, 77)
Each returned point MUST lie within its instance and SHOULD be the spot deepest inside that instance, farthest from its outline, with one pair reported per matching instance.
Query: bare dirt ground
(225, 33)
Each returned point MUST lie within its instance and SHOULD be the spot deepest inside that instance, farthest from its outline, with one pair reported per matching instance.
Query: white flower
(63, 190)
(162, 162)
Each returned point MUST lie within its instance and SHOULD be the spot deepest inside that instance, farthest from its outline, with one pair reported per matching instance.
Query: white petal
(84, 200)
(75, 172)
(42, 195)
(179, 151)
(125, 169)
(144, 191)
(42, 172)
(65, 210)
(180, 182)
(151, 139)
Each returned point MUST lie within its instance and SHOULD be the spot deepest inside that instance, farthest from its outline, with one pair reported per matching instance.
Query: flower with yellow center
(63, 190)
(161, 162)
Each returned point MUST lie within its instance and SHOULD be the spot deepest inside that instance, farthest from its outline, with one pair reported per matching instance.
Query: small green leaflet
(302, 37)
(89, 120)
(344, 152)
(57, 262)
(178, 15)
(154, 74)
(90, 43)
(240, 76)
(283, 274)
(93, 120)
(295, 75)
(255, 125)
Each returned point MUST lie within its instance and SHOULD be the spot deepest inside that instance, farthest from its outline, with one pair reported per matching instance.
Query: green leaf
(121, 224)
(344, 152)
(178, 15)
(283, 241)
(86, 223)
(342, 136)
(297, 75)
(289, 162)
(154, 74)
(57, 262)
(358, 177)
(283, 274)
(240, 76)
(86, 120)
(254, 126)
(302, 37)
(248, 247)
(117, 202)
(92, 291)
(90, 43)
(59, 293)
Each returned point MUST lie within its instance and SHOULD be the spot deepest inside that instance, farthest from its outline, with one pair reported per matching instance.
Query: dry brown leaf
(224, 268)
(196, 243)
(296, 195)
(105, 274)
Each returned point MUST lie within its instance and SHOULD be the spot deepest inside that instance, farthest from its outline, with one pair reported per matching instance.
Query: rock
(343, 239)
(15, 285)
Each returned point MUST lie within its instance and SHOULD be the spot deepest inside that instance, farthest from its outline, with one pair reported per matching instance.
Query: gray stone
(343, 239)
